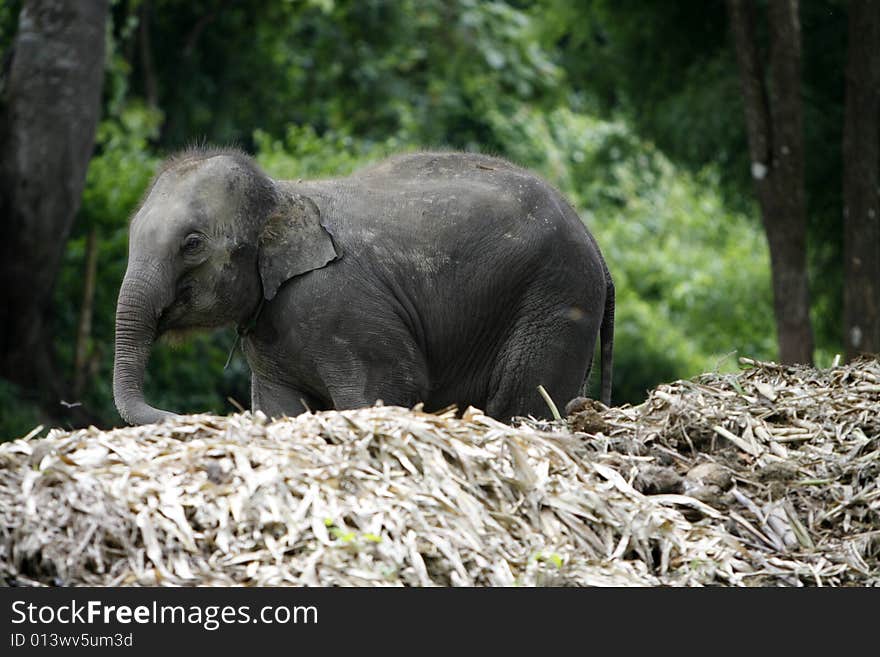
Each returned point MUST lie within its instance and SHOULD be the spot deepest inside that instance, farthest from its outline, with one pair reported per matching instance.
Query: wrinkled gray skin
(443, 278)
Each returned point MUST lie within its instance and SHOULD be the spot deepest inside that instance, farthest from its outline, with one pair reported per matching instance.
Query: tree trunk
(151, 84)
(774, 122)
(81, 365)
(48, 116)
(861, 182)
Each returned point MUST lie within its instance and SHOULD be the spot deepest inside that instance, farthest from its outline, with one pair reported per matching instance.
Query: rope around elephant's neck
(242, 330)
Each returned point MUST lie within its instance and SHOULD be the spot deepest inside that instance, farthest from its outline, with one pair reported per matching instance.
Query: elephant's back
(479, 183)
(419, 165)
(438, 223)
(436, 199)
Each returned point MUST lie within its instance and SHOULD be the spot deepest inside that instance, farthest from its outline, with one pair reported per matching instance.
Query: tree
(670, 71)
(49, 109)
(861, 181)
(774, 123)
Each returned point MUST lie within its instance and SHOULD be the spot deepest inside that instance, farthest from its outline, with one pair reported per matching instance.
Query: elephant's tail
(606, 338)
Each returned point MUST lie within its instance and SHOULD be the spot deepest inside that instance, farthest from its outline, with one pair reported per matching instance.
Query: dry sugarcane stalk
(390, 496)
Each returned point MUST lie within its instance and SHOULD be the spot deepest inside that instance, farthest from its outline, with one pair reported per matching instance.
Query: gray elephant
(443, 278)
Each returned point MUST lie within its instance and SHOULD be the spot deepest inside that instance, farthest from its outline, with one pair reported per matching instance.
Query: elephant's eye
(192, 243)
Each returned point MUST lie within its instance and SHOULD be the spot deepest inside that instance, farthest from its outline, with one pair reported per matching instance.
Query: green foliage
(116, 178)
(305, 154)
(669, 70)
(19, 415)
(427, 70)
(121, 168)
(8, 23)
(631, 109)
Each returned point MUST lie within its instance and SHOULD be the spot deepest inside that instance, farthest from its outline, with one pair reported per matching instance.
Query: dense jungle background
(690, 135)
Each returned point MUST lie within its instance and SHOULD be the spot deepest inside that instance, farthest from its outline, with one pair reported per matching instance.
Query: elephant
(441, 278)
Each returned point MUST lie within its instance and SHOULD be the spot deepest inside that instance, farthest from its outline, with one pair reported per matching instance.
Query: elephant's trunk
(137, 317)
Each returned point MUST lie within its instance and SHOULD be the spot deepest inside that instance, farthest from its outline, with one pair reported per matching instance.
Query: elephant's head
(213, 237)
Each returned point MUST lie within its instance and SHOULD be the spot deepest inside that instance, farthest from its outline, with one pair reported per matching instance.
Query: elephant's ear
(293, 242)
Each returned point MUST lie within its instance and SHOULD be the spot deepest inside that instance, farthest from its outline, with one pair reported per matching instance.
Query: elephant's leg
(278, 400)
(390, 394)
(391, 370)
(552, 351)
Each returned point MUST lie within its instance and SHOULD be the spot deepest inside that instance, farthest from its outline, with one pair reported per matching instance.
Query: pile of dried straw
(769, 477)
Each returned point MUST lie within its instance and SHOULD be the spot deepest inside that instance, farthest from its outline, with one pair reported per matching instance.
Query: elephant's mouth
(164, 323)
(170, 322)
(177, 323)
